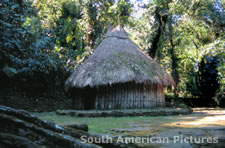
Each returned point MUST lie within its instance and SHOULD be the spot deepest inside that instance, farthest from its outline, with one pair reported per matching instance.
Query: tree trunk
(154, 47)
(174, 59)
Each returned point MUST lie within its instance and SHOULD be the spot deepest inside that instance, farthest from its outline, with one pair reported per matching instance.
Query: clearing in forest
(203, 122)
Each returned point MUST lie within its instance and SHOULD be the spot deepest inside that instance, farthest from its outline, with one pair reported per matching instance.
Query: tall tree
(185, 31)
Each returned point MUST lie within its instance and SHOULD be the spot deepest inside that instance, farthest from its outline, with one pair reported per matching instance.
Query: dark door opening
(89, 98)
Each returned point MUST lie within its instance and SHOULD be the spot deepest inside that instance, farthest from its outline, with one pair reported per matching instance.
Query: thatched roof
(118, 60)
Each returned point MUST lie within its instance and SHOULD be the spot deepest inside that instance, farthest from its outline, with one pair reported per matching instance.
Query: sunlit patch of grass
(209, 117)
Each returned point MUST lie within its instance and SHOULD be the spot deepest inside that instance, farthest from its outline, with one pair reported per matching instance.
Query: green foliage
(76, 26)
(25, 46)
(68, 33)
(193, 29)
(41, 37)
(12, 16)
(206, 82)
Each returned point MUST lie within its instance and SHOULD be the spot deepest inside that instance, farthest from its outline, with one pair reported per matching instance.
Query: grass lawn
(203, 122)
(102, 124)
(200, 117)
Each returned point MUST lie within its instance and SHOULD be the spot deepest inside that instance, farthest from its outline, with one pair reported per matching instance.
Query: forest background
(43, 41)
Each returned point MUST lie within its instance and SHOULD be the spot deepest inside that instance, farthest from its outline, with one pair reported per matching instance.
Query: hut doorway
(89, 97)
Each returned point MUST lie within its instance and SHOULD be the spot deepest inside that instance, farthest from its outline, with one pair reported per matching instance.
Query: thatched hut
(118, 75)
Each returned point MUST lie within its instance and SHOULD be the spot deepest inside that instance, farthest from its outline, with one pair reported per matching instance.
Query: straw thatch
(118, 60)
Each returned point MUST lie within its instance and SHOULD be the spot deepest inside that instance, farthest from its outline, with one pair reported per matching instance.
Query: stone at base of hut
(166, 111)
(20, 129)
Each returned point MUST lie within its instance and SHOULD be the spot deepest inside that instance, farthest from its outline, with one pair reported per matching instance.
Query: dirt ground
(205, 127)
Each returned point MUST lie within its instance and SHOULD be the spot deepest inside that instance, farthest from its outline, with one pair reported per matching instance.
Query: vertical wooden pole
(126, 96)
(155, 92)
(134, 95)
(147, 98)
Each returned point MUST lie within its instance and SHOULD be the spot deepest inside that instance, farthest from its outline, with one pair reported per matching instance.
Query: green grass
(100, 124)
(201, 119)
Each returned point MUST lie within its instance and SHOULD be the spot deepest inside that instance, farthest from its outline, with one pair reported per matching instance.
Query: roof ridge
(116, 32)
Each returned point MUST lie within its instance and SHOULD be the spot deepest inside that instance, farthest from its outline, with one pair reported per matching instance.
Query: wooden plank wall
(124, 96)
